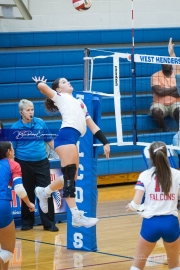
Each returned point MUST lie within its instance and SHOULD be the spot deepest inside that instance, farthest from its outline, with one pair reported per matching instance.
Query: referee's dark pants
(36, 173)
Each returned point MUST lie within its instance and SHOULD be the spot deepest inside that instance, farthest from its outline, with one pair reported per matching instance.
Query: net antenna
(117, 96)
(8, 10)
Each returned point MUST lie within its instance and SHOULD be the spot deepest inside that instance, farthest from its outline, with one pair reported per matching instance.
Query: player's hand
(128, 207)
(31, 207)
(171, 48)
(35, 79)
(107, 150)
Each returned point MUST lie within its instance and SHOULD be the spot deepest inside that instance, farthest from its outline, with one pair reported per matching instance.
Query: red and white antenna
(132, 27)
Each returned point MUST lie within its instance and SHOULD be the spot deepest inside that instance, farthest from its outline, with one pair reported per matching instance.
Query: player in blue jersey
(75, 119)
(10, 176)
(161, 183)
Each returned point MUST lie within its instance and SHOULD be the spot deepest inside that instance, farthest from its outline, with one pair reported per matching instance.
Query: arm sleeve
(140, 184)
(20, 191)
(16, 172)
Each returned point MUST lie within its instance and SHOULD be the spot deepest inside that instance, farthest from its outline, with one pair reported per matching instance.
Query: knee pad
(134, 268)
(176, 268)
(6, 255)
(69, 173)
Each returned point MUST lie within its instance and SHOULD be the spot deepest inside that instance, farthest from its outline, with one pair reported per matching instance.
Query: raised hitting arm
(43, 87)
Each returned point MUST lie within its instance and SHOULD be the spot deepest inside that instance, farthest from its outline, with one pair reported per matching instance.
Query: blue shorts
(66, 136)
(6, 213)
(165, 227)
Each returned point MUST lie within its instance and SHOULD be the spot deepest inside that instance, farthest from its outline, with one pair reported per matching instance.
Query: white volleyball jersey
(156, 202)
(73, 111)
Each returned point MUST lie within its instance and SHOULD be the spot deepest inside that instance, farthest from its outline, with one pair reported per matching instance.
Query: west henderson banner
(156, 59)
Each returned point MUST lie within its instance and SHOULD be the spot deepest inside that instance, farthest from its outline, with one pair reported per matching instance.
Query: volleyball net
(124, 82)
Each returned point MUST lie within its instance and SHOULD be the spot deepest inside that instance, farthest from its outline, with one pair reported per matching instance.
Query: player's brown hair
(158, 155)
(49, 104)
(4, 147)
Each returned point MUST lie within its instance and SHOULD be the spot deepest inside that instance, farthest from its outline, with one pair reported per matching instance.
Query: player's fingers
(34, 79)
(106, 153)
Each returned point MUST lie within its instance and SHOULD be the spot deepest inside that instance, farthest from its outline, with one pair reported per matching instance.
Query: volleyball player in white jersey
(75, 118)
(161, 183)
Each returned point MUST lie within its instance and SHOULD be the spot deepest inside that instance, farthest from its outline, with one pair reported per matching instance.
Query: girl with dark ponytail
(75, 119)
(49, 104)
(162, 171)
(161, 184)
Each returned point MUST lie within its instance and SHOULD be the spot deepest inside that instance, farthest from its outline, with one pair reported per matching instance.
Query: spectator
(166, 100)
(161, 183)
(75, 118)
(29, 135)
(10, 176)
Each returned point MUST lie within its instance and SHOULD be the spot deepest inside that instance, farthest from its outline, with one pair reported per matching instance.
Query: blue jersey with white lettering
(29, 139)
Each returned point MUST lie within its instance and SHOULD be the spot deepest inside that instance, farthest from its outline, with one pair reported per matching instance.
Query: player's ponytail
(49, 104)
(4, 147)
(158, 155)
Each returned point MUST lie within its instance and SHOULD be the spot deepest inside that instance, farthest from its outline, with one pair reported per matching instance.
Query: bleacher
(60, 54)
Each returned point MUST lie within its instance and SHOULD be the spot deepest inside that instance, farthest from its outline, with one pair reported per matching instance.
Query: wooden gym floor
(117, 234)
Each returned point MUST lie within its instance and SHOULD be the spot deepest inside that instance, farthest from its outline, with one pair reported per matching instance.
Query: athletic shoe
(43, 198)
(79, 220)
(26, 227)
(51, 228)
